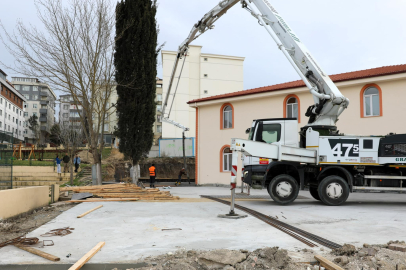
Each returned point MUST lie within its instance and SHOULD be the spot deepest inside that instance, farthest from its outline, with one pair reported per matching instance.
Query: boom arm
(329, 102)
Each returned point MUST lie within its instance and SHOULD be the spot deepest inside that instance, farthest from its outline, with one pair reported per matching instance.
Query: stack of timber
(120, 192)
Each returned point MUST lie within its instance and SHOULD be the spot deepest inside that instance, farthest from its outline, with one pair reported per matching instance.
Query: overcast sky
(342, 35)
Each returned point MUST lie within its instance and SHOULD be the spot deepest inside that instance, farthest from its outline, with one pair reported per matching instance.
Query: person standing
(76, 161)
(66, 160)
(58, 165)
(152, 175)
(181, 172)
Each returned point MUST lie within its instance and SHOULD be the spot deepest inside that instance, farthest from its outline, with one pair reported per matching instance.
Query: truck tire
(333, 190)
(283, 189)
(315, 193)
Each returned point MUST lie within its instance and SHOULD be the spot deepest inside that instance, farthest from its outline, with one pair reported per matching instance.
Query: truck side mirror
(247, 131)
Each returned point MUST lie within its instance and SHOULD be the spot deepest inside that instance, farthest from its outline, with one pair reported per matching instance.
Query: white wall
(224, 75)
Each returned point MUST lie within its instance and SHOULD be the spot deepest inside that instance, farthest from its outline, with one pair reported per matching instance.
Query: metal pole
(184, 156)
(233, 180)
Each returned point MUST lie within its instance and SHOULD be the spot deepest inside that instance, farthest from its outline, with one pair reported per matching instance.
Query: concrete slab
(133, 230)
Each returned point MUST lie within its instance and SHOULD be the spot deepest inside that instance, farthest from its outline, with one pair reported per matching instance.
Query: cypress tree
(136, 62)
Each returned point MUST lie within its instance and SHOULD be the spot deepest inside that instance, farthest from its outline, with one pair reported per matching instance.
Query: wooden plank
(87, 257)
(85, 213)
(39, 253)
(106, 200)
(329, 265)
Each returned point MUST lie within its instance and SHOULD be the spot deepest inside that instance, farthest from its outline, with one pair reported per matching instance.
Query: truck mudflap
(295, 165)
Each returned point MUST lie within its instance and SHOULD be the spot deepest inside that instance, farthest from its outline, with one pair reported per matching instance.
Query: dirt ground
(349, 258)
(18, 226)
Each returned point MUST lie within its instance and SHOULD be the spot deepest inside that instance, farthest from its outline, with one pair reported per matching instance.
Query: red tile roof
(373, 72)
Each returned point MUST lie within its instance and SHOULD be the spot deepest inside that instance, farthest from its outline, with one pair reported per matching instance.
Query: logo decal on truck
(344, 148)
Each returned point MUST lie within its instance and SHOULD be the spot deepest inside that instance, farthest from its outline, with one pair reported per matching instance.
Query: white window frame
(290, 107)
(226, 157)
(371, 106)
(225, 113)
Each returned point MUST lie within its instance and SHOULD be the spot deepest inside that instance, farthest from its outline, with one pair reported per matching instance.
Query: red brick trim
(221, 158)
(298, 106)
(18, 102)
(222, 115)
(362, 100)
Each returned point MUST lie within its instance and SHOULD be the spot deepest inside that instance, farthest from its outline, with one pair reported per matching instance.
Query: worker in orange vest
(152, 174)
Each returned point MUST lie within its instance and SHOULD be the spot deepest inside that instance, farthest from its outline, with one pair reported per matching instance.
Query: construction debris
(87, 257)
(329, 265)
(22, 240)
(39, 253)
(81, 196)
(58, 232)
(122, 191)
(87, 212)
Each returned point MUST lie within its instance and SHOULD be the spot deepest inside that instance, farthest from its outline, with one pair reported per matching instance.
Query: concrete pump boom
(329, 102)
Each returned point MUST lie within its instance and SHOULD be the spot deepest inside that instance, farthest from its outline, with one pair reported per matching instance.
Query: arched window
(372, 102)
(226, 159)
(291, 107)
(227, 115)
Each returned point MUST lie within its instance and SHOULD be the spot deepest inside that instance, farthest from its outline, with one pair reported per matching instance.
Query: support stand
(232, 214)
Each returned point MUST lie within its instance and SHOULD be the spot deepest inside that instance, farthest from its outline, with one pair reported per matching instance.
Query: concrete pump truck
(329, 164)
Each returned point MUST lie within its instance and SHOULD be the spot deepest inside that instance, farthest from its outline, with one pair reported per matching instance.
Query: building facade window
(159, 128)
(371, 101)
(106, 127)
(25, 114)
(66, 107)
(158, 118)
(226, 116)
(159, 97)
(27, 96)
(225, 159)
(291, 107)
(158, 108)
(34, 113)
(65, 115)
(35, 106)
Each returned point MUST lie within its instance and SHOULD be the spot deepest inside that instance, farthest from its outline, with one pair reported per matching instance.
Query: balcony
(43, 94)
(42, 119)
(43, 111)
(44, 102)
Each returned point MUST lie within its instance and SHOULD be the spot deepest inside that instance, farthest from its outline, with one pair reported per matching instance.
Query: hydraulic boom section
(204, 24)
(329, 102)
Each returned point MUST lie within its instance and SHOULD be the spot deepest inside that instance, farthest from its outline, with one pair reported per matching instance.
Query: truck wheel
(333, 190)
(315, 193)
(283, 189)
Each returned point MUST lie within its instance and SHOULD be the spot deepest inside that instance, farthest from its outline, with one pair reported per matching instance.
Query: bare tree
(74, 54)
(72, 137)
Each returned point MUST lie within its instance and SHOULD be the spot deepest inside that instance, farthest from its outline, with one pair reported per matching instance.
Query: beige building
(203, 75)
(376, 108)
(158, 121)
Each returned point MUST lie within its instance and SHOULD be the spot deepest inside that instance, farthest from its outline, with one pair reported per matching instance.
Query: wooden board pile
(120, 192)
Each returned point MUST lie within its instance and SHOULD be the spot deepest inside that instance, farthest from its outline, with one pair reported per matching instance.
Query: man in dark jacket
(181, 172)
(66, 160)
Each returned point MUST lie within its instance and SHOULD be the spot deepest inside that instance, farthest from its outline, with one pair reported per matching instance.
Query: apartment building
(11, 109)
(40, 101)
(203, 75)
(69, 112)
